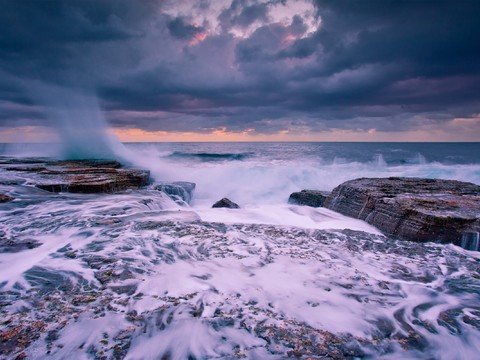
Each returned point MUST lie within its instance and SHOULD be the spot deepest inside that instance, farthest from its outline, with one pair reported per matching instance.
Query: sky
(242, 70)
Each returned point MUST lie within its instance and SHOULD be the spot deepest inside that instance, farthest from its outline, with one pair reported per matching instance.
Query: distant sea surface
(323, 152)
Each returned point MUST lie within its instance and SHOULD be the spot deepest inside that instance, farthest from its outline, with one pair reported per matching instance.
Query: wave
(205, 156)
(258, 182)
(252, 174)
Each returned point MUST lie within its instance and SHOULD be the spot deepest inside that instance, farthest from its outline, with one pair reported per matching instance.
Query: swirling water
(136, 276)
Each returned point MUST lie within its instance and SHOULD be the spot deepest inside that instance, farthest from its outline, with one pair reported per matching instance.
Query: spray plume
(76, 117)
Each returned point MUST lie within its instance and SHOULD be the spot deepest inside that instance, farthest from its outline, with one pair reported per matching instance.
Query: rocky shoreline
(414, 209)
(101, 276)
(79, 176)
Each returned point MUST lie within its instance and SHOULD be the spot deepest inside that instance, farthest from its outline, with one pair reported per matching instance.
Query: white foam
(260, 180)
(284, 214)
(13, 266)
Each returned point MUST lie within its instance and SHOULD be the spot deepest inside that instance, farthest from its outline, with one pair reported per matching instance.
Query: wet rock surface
(312, 198)
(14, 245)
(411, 208)
(79, 176)
(5, 198)
(116, 276)
(225, 203)
(230, 286)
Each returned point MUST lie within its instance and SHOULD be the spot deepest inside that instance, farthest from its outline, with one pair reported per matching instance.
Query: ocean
(262, 173)
(135, 275)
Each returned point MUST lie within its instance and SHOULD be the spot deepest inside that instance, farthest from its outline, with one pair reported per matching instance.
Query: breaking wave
(202, 156)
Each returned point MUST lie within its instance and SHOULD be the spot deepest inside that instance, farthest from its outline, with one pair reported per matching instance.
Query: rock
(412, 208)
(225, 203)
(5, 198)
(179, 191)
(97, 181)
(16, 245)
(312, 198)
(83, 176)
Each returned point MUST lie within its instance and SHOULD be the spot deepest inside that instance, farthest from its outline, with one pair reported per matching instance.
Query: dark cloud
(389, 65)
(428, 38)
(182, 30)
(61, 42)
(243, 13)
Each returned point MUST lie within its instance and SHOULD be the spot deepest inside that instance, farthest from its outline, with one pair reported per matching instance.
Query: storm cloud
(256, 65)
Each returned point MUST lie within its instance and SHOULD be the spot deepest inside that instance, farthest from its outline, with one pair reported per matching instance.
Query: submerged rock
(16, 245)
(312, 198)
(83, 176)
(225, 203)
(179, 191)
(5, 198)
(412, 208)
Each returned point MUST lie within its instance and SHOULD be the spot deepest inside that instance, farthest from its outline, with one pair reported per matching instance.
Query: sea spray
(75, 115)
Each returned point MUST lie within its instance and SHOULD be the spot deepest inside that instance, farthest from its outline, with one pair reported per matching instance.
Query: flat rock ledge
(82, 176)
(415, 209)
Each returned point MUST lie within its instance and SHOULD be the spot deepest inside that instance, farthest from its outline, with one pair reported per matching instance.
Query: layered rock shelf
(80, 176)
(413, 209)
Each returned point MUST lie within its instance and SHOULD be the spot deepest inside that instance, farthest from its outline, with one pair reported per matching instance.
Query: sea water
(260, 173)
(135, 275)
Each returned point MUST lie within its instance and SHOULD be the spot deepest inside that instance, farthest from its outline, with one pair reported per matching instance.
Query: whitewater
(136, 275)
